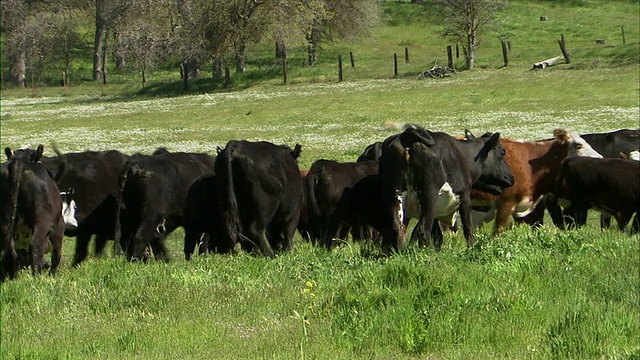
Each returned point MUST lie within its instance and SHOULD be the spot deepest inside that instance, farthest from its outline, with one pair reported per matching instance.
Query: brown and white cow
(535, 166)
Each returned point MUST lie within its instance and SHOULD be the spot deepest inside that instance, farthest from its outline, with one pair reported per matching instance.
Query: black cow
(611, 144)
(260, 190)
(438, 171)
(610, 186)
(91, 180)
(201, 220)
(329, 191)
(371, 152)
(152, 194)
(31, 212)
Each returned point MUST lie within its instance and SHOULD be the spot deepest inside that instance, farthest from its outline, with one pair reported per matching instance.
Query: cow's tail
(117, 228)
(62, 165)
(15, 176)
(313, 208)
(228, 200)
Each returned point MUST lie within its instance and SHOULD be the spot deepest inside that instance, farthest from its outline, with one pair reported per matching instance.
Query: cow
(611, 144)
(610, 186)
(329, 190)
(200, 219)
(438, 171)
(31, 212)
(535, 166)
(260, 190)
(90, 189)
(151, 198)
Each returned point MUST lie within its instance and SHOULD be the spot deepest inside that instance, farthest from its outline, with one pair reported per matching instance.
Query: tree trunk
(18, 69)
(313, 46)
(241, 56)
(470, 55)
(105, 59)
(217, 70)
(98, 48)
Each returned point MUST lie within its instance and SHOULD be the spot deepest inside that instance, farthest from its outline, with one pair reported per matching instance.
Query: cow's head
(31, 155)
(577, 146)
(490, 165)
(413, 134)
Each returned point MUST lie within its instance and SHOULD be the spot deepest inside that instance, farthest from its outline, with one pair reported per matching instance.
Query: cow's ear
(8, 152)
(296, 151)
(35, 157)
(495, 139)
(468, 135)
(218, 150)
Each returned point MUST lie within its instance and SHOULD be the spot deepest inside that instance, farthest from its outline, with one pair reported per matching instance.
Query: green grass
(526, 294)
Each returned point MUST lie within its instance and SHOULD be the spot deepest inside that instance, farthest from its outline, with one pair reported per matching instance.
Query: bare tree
(463, 20)
(107, 14)
(338, 19)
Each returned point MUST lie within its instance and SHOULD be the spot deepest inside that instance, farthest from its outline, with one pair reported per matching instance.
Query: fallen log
(548, 62)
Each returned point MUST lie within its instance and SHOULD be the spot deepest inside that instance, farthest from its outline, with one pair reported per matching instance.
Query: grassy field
(527, 294)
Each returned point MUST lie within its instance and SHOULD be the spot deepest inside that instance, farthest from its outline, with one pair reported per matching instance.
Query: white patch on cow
(400, 213)
(447, 205)
(579, 147)
(69, 213)
(525, 206)
(634, 155)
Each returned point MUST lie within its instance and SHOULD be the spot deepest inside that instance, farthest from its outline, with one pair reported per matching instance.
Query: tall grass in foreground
(526, 294)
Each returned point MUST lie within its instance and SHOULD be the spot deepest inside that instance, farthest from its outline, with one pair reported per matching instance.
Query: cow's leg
(623, 219)
(465, 217)
(203, 247)
(255, 233)
(191, 237)
(82, 246)
(56, 252)
(555, 211)
(636, 223)
(9, 262)
(536, 217)
(39, 243)
(101, 243)
(503, 214)
(605, 221)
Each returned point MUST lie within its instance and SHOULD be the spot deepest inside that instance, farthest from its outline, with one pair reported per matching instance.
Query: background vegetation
(525, 294)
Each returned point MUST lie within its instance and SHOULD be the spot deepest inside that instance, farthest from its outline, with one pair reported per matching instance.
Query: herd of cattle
(252, 195)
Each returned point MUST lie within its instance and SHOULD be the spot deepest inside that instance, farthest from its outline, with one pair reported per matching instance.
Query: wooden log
(547, 63)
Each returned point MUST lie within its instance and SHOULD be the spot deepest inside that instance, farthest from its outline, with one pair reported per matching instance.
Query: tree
(463, 19)
(338, 19)
(108, 14)
(143, 35)
(35, 33)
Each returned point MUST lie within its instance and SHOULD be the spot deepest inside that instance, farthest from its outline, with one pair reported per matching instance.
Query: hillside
(416, 29)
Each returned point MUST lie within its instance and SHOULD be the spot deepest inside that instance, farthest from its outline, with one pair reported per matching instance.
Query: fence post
(623, 39)
(351, 57)
(457, 51)
(340, 67)
(395, 65)
(504, 53)
(563, 48)
(406, 56)
(449, 57)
